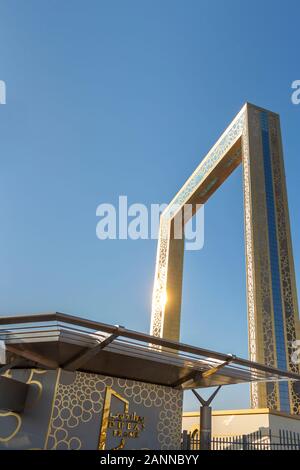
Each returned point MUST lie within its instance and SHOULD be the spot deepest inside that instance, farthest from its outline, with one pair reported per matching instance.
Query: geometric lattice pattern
(79, 400)
(253, 139)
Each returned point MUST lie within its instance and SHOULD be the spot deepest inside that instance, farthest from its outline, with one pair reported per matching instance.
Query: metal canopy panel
(59, 340)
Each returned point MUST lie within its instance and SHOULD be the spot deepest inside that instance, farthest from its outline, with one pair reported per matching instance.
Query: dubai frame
(253, 139)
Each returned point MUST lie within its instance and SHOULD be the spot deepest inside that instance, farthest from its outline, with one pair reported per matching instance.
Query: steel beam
(83, 357)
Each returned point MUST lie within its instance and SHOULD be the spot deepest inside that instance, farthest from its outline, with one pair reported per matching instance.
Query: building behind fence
(246, 428)
(263, 439)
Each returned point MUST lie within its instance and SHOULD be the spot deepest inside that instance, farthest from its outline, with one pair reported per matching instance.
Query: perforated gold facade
(253, 139)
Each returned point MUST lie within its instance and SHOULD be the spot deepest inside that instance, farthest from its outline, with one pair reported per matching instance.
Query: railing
(260, 440)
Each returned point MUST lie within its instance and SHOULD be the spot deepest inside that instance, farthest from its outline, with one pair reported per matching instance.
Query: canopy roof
(52, 340)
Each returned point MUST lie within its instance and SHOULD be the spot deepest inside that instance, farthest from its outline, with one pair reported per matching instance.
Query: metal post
(205, 419)
(245, 442)
(185, 440)
(205, 427)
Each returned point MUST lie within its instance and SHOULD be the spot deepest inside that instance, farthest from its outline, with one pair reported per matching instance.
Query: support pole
(205, 427)
(205, 419)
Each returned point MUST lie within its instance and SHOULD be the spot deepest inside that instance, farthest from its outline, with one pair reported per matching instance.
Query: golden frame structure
(253, 139)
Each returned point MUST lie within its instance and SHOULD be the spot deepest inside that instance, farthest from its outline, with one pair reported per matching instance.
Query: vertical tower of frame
(271, 288)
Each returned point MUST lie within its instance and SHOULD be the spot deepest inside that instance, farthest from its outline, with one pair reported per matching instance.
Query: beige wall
(237, 422)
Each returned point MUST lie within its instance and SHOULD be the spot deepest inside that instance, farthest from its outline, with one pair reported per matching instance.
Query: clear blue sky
(126, 97)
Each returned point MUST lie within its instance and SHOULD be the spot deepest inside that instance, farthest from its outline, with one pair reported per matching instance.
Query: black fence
(260, 440)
